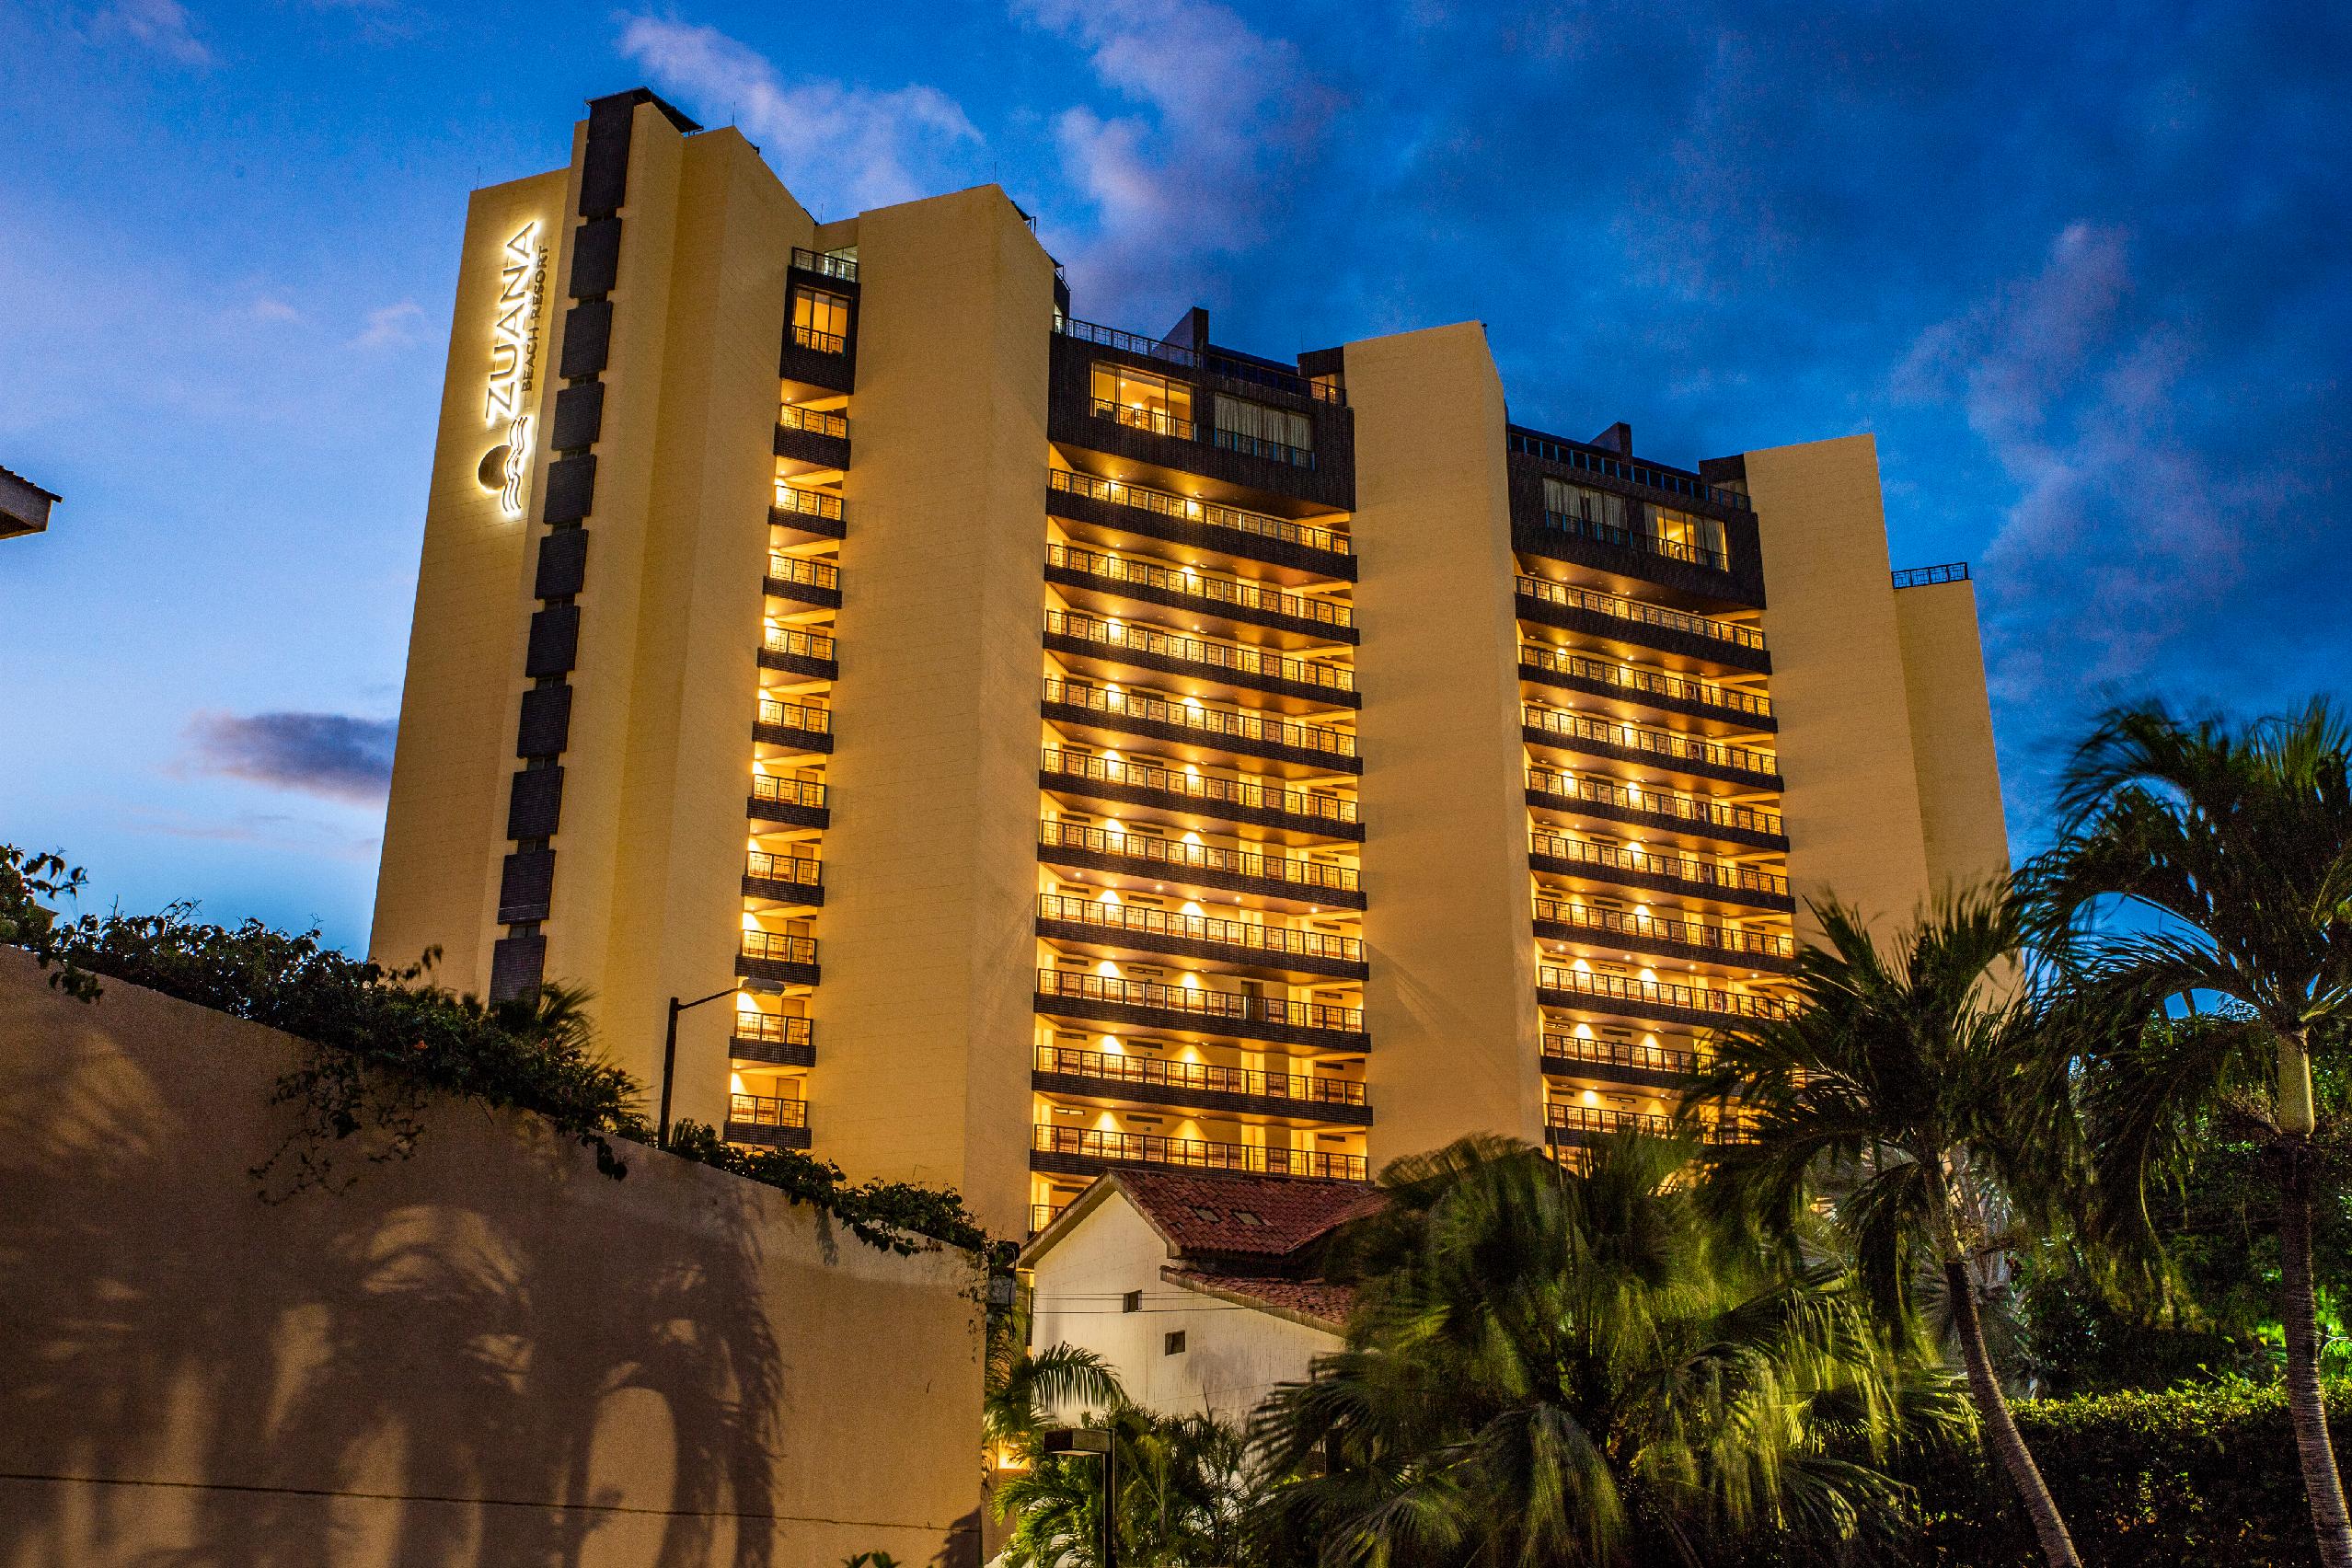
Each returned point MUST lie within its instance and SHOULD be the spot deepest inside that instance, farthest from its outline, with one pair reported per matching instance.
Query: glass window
(820, 320)
(1688, 537)
(1269, 432)
(1581, 504)
(1143, 399)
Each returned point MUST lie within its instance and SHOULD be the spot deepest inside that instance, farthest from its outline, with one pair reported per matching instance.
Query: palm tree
(1023, 1388)
(1924, 1096)
(1571, 1367)
(2239, 846)
(1182, 1488)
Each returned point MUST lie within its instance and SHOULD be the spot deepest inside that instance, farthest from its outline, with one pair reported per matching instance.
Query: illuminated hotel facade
(1058, 747)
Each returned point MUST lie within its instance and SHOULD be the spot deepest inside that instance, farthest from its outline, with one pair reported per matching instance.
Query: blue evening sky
(2086, 272)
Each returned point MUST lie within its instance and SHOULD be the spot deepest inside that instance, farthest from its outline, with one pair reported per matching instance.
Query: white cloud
(267, 308)
(840, 148)
(390, 326)
(163, 26)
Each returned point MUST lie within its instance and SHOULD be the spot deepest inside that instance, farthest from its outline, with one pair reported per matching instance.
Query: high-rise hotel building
(1057, 746)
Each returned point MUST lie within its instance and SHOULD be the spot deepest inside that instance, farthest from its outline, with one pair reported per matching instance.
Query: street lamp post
(670, 1059)
(1091, 1443)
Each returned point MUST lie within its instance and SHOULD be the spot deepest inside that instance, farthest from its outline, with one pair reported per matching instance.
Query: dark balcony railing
(1195, 1154)
(815, 422)
(1217, 364)
(1640, 862)
(1198, 1001)
(1310, 875)
(795, 716)
(1241, 792)
(1697, 810)
(801, 643)
(1191, 511)
(1571, 725)
(801, 870)
(1735, 945)
(820, 342)
(780, 946)
(826, 264)
(1567, 455)
(1608, 989)
(808, 502)
(1125, 343)
(1198, 1076)
(773, 1029)
(1218, 722)
(1157, 420)
(1617, 607)
(1926, 576)
(1258, 447)
(789, 791)
(1276, 941)
(1241, 658)
(766, 1111)
(1636, 539)
(805, 571)
(1599, 1119)
(1043, 1215)
(1642, 683)
(1622, 1054)
(1201, 586)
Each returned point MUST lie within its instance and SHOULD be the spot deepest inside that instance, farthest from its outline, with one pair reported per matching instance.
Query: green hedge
(2198, 1476)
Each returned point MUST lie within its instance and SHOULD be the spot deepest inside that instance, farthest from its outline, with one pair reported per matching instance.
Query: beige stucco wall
(1852, 805)
(1951, 736)
(1233, 1357)
(925, 1018)
(1448, 920)
(486, 1354)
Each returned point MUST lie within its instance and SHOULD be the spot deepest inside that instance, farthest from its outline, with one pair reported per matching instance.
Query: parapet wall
(484, 1354)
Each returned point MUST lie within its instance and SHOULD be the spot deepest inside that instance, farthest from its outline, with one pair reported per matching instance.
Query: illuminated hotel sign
(514, 359)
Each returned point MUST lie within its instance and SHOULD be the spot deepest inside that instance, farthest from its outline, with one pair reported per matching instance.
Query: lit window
(1142, 399)
(820, 320)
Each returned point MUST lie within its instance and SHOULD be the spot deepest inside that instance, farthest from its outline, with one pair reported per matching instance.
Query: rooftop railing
(799, 641)
(807, 502)
(815, 422)
(780, 946)
(1246, 793)
(1689, 998)
(1636, 539)
(766, 1111)
(1574, 457)
(1195, 1154)
(1621, 1053)
(1198, 1001)
(1200, 1076)
(1256, 727)
(1698, 810)
(795, 716)
(1116, 919)
(789, 792)
(806, 570)
(1926, 576)
(1240, 658)
(1228, 365)
(1569, 724)
(1641, 862)
(1728, 940)
(1641, 682)
(1180, 857)
(1617, 607)
(1200, 585)
(825, 264)
(802, 870)
(1203, 511)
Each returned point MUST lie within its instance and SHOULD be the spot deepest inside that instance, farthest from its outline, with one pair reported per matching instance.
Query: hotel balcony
(1313, 748)
(1559, 668)
(1563, 729)
(1148, 1004)
(1695, 941)
(1618, 1061)
(1292, 879)
(767, 1121)
(1300, 550)
(805, 580)
(1659, 873)
(1104, 581)
(797, 650)
(1727, 569)
(815, 437)
(785, 879)
(1086, 1151)
(1692, 1006)
(778, 958)
(1242, 946)
(1043, 1215)
(1199, 1085)
(1238, 672)
(779, 1041)
(808, 511)
(797, 726)
(794, 803)
(1302, 814)
(1691, 816)
(1614, 617)
(1585, 1123)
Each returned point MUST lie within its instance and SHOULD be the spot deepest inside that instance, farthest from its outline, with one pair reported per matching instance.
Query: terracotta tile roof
(1326, 1304)
(1229, 1213)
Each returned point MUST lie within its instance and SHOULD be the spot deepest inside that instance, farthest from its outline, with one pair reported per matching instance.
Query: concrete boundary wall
(485, 1354)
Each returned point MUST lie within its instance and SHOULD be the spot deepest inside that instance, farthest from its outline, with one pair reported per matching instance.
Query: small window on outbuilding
(1131, 1302)
(1172, 1343)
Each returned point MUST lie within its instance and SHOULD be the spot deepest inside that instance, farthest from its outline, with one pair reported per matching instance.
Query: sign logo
(515, 361)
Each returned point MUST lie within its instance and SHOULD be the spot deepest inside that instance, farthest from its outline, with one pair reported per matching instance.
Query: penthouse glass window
(1571, 505)
(821, 320)
(1265, 430)
(1688, 537)
(1142, 399)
